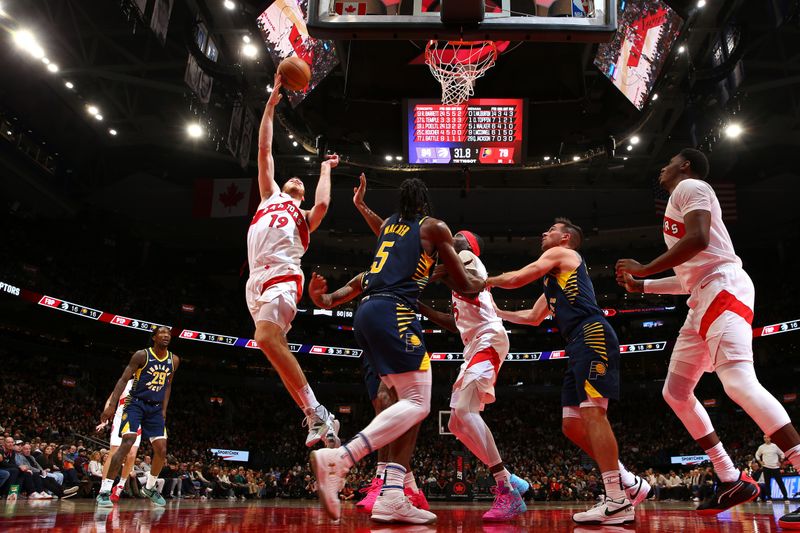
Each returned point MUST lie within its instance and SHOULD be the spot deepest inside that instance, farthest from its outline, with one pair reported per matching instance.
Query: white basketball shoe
(393, 506)
(637, 492)
(607, 512)
(330, 471)
(321, 425)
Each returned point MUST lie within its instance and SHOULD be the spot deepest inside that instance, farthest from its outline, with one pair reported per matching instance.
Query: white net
(457, 64)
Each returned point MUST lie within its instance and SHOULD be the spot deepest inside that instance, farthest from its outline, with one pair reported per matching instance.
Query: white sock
(723, 466)
(395, 477)
(381, 470)
(356, 449)
(409, 482)
(627, 478)
(307, 397)
(121, 482)
(106, 485)
(793, 456)
(613, 485)
(502, 475)
(151, 482)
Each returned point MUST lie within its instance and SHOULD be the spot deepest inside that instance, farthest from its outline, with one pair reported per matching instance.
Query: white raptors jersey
(278, 236)
(691, 195)
(475, 317)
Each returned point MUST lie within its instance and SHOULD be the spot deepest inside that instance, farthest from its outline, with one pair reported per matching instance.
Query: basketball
(295, 73)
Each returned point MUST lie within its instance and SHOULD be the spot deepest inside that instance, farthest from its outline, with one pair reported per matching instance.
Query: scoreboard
(481, 131)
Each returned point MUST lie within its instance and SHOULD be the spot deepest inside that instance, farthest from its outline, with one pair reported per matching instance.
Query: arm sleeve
(693, 195)
(669, 285)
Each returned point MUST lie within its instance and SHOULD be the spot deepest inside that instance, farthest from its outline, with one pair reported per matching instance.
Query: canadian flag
(351, 8)
(224, 197)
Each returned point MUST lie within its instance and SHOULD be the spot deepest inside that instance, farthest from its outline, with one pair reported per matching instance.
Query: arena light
(246, 39)
(306, 158)
(701, 4)
(230, 5)
(547, 158)
(52, 67)
(69, 85)
(98, 117)
(733, 130)
(576, 158)
(269, 88)
(92, 109)
(625, 158)
(194, 130)
(681, 49)
(635, 139)
(388, 158)
(398, 158)
(45, 61)
(291, 136)
(294, 143)
(655, 97)
(26, 41)
(630, 147)
(249, 50)
(112, 132)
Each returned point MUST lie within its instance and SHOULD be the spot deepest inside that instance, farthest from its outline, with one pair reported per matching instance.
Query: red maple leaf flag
(223, 197)
(350, 8)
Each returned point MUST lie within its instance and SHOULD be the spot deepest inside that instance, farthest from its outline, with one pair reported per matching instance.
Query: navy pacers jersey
(401, 267)
(571, 299)
(150, 381)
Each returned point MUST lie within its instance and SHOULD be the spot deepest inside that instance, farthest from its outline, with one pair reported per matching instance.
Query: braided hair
(414, 199)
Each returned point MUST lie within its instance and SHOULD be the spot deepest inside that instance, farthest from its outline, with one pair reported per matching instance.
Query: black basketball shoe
(791, 520)
(727, 495)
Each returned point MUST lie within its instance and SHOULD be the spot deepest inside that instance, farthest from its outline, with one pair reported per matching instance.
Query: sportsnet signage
(231, 455)
(688, 459)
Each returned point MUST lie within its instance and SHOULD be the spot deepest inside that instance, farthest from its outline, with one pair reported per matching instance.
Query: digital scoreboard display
(481, 131)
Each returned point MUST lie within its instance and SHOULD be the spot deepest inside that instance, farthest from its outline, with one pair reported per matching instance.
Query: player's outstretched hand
(331, 160)
(631, 285)
(275, 97)
(107, 415)
(630, 266)
(317, 289)
(100, 427)
(360, 191)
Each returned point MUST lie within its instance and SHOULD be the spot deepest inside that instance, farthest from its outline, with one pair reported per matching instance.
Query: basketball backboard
(510, 20)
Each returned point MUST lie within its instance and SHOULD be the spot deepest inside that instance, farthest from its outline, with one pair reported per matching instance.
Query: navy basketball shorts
(593, 364)
(389, 332)
(147, 417)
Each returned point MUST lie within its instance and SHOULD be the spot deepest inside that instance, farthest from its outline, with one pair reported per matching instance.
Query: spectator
(770, 457)
(41, 481)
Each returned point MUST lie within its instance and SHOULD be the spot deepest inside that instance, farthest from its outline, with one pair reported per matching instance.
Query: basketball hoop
(457, 64)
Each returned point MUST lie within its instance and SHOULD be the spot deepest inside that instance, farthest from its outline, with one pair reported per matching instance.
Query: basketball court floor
(284, 516)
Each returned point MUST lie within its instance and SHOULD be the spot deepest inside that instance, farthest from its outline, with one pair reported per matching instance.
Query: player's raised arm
(532, 317)
(445, 320)
(549, 260)
(438, 234)
(374, 220)
(318, 287)
(322, 194)
(137, 361)
(267, 185)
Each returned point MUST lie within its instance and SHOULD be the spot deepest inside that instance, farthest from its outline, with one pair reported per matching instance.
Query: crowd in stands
(48, 431)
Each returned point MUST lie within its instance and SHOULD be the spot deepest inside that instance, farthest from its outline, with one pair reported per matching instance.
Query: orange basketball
(295, 73)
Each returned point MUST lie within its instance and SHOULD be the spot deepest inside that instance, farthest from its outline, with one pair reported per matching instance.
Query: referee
(770, 457)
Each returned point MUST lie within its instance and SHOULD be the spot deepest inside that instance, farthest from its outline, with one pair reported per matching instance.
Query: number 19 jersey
(278, 236)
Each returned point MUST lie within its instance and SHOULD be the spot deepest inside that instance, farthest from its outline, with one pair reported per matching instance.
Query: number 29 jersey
(150, 381)
(401, 267)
